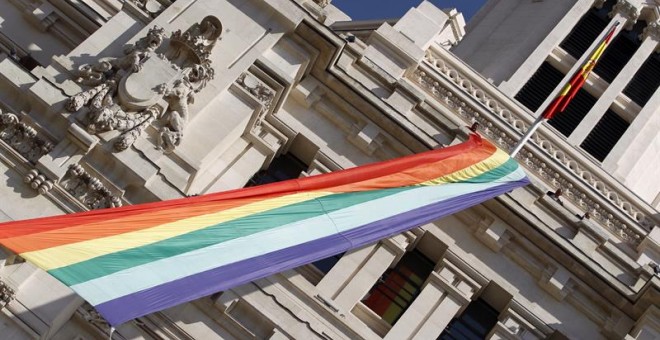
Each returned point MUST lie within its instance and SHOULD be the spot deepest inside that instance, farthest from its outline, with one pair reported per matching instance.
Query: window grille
(645, 82)
(539, 86)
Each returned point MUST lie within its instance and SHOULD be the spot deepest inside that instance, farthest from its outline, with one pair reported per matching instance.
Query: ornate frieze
(129, 93)
(88, 189)
(22, 137)
(573, 191)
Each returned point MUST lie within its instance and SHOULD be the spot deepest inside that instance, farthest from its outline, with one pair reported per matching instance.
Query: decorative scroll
(129, 93)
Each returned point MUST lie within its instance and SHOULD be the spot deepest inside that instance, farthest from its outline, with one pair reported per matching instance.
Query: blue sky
(386, 9)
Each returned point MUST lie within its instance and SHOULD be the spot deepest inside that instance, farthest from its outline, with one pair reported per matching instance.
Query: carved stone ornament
(6, 294)
(22, 137)
(652, 30)
(129, 93)
(260, 91)
(88, 189)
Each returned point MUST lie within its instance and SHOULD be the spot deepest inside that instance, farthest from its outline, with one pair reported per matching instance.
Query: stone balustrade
(550, 159)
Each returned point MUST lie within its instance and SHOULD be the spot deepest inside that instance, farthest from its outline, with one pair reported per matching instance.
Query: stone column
(554, 38)
(648, 46)
(643, 131)
(446, 292)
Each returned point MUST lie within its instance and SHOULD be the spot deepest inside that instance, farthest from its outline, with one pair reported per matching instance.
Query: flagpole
(530, 131)
(568, 92)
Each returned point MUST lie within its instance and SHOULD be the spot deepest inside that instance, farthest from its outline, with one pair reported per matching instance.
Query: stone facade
(131, 102)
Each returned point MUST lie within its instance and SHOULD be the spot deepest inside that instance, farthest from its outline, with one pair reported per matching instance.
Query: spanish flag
(570, 90)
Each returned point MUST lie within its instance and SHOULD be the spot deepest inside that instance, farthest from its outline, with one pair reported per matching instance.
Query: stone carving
(22, 137)
(573, 191)
(88, 189)
(627, 10)
(129, 93)
(260, 91)
(6, 294)
(38, 181)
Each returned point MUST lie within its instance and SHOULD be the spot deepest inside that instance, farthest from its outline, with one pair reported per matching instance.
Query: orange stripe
(59, 230)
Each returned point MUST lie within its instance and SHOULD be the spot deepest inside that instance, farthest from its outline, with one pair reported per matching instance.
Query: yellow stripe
(496, 159)
(66, 255)
(565, 90)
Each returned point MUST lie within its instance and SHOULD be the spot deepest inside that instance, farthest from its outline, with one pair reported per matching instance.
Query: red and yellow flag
(572, 87)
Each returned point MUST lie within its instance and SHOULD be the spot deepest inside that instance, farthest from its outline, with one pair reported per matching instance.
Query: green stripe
(110, 263)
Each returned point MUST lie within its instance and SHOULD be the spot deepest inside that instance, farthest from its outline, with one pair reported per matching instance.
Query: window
(619, 52)
(474, 323)
(284, 167)
(539, 86)
(645, 82)
(587, 30)
(399, 286)
(577, 109)
(288, 166)
(605, 135)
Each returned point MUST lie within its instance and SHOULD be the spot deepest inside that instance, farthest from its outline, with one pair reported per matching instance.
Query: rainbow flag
(569, 91)
(135, 260)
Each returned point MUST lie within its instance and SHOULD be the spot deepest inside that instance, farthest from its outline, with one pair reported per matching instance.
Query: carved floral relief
(129, 93)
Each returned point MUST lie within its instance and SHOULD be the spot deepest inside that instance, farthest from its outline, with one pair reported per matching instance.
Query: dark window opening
(539, 86)
(645, 82)
(26, 61)
(587, 30)
(284, 167)
(326, 264)
(605, 135)
(566, 122)
(475, 322)
(619, 52)
(396, 290)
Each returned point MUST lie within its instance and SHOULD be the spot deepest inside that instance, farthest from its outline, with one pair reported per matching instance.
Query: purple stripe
(186, 289)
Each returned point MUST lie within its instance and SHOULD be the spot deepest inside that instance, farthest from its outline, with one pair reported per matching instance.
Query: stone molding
(607, 215)
(89, 190)
(23, 138)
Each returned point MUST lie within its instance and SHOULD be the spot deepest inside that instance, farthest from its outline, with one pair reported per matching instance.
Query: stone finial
(627, 10)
